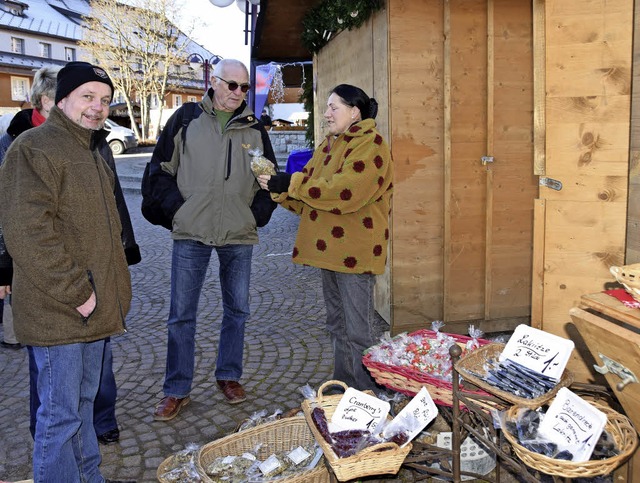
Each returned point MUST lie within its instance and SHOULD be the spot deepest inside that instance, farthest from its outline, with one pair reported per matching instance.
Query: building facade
(39, 33)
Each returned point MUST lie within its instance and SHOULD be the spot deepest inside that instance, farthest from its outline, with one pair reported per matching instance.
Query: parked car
(120, 138)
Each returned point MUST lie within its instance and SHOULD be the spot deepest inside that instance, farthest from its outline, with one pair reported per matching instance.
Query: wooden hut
(512, 126)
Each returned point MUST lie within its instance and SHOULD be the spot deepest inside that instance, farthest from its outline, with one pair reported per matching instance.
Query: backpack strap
(161, 197)
(188, 115)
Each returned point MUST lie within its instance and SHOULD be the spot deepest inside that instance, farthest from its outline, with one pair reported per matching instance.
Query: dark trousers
(104, 407)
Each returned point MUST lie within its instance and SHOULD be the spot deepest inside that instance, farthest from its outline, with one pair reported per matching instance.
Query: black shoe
(8, 345)
(112, 436)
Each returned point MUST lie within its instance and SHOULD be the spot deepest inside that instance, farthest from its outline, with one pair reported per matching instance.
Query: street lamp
(196, 60)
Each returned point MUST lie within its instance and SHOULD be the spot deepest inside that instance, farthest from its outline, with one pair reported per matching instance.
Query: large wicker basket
(381, 459)
(409, 381)
(473, 362)
(280, 435)
(617, 425)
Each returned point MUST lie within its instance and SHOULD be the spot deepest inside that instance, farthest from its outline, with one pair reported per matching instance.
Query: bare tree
(141, 49)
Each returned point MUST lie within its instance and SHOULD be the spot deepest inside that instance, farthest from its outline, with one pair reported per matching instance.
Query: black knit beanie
(74, 74)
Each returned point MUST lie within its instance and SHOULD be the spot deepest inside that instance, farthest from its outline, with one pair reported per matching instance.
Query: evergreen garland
(332, 16)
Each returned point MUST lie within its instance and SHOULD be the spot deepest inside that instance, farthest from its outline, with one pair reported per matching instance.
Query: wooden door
(489, 181)
(460, 91)
(580, 228)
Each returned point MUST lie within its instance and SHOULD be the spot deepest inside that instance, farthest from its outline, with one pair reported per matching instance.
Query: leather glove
(279, 183)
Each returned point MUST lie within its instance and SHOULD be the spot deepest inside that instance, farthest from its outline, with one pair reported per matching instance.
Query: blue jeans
(66, 447)
(350, 318)
(189, 264)
(104, 407)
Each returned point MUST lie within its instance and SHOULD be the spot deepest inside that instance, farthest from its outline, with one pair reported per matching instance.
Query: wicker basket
(474, 362)
(381, 459)
(280, 435)
(617, 425)
(629, 277)
(409, 381)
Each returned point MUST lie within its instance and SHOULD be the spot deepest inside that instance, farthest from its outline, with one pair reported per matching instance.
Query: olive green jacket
(61, 226)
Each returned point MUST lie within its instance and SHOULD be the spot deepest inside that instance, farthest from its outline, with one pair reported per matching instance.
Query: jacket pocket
(85, 320)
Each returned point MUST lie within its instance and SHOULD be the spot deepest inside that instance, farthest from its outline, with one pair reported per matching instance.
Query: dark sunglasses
(234, 85)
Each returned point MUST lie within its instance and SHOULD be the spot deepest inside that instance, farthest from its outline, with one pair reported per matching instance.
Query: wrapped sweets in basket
(407, 362)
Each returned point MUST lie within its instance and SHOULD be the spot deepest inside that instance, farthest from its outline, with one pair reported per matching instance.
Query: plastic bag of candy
(260, 164)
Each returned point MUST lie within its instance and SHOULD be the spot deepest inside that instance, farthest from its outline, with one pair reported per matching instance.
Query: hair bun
(373, 108)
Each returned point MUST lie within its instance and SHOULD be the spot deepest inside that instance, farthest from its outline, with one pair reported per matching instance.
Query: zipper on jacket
(108, 215)
(228, 161)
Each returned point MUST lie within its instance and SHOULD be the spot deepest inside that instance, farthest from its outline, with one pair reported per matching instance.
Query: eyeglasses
(234, 85)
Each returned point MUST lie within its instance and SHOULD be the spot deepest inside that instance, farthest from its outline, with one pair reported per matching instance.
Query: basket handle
(378, 448)
(333, 382)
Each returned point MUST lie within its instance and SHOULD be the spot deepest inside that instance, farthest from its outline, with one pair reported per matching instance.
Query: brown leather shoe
(169, 407)
(233, 391)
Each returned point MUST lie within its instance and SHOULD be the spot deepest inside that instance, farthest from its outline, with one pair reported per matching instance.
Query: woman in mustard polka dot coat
(343, 198)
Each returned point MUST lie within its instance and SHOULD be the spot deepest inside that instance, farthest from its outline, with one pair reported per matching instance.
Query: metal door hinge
(554, 184)
(614, 367)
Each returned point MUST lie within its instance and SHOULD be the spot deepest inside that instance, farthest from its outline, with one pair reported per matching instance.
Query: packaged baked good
(260, 164)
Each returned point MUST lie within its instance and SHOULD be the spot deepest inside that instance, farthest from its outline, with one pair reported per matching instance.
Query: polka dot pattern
(350, 262)
(344, 198)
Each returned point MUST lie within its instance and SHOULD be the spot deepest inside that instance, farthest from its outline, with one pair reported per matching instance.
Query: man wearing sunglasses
(200, 173)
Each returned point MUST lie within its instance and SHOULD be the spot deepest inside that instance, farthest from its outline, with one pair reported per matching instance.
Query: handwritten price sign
(359, 410)
(573, 424)
(539, 351)
(415, 416)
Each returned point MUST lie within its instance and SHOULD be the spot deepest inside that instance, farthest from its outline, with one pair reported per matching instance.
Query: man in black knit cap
(71, 283)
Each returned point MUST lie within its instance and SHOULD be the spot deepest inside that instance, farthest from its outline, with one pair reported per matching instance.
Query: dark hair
(355, 97)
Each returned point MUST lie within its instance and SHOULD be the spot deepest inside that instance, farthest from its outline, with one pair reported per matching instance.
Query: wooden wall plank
(537, 280)
(589, 70)
(416, 104)
(465, 264)
(348, 58)
(539, 93)
(514, 185)
(607, 23)
(380, 44)
(447, 163)
(632, 254)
